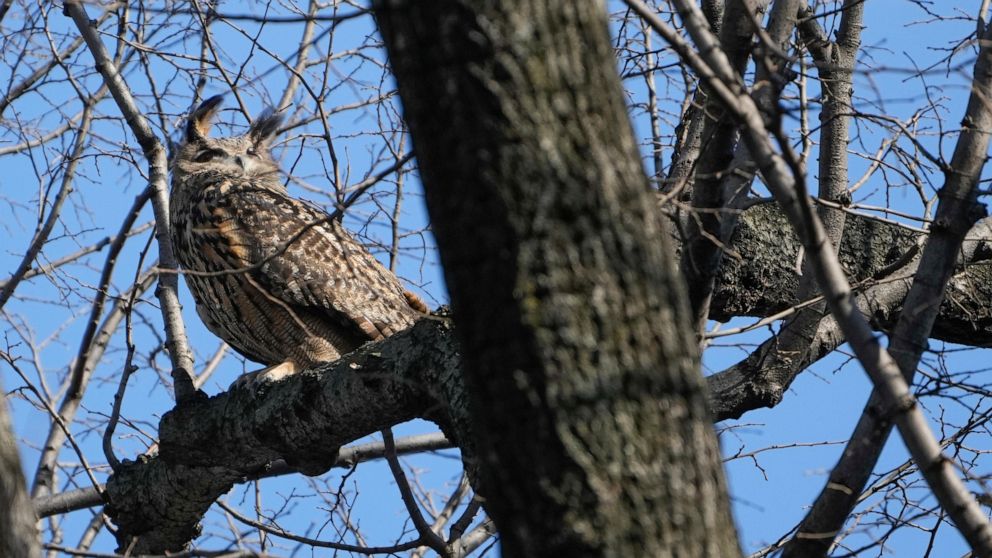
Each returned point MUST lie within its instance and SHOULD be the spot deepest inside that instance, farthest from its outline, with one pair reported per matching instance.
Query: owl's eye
(251, 151)
(204, 156)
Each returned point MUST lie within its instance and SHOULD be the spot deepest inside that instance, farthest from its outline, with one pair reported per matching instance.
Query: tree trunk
(593, 430)
(18, 537)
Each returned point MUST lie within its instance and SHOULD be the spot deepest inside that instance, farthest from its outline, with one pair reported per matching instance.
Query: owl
(280, 280)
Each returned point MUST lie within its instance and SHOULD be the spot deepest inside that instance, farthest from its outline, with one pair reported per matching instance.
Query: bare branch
(427, 535)
(91, 347)
(785, 180)
(44, 229)
(179, 351)
(957, 211)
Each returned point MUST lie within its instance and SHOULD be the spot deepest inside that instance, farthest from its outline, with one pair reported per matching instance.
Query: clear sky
(770, 490)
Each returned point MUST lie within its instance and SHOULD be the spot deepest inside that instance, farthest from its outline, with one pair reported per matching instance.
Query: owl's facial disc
(230, 156)
(238, 156)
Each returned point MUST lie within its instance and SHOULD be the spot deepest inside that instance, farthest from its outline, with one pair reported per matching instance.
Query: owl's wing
(299, 255)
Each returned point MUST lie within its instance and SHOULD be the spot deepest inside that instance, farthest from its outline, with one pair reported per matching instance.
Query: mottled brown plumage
(285, 284)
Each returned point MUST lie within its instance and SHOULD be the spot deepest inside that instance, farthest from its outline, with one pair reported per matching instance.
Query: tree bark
(870, 249)
(18, 536)
(581, 365)
(702, 253)
(210, 444)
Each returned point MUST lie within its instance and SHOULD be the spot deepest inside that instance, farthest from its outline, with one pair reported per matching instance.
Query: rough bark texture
(18, 536)
(701, 253)
(780, 359)
(589, 405)
(236, 429)
(210, 444)
(767, 282)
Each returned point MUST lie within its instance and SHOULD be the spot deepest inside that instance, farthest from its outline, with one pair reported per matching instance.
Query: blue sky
(769, 493)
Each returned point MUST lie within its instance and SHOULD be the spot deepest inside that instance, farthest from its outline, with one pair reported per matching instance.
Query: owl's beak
(247, 164)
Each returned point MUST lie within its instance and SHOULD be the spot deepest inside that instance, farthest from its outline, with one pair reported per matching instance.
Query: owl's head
(246, 155)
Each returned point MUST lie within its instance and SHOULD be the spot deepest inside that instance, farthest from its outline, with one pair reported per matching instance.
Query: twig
(47, 268)
(348, 457)
(367, 550)
(785, 182)
(45, 229)
(129, 368)
(427, 535)
(168, 291)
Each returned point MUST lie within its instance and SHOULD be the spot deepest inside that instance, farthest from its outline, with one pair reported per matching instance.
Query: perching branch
(209, 445)
(348, 457)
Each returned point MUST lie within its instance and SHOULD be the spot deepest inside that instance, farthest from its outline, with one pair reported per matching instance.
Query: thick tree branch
(209, 445)
(766, 282)
(702, 250)
(957, 210)
(786, 180)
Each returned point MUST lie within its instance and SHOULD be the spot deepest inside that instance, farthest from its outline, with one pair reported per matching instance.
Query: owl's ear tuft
(264, 128)
(200, 120)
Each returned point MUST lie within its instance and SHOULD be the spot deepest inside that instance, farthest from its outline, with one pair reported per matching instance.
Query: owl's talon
(259, 378)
